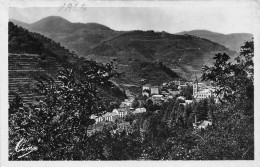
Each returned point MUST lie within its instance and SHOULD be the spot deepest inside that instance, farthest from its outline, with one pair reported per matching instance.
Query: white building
(122, 112)
(202, 124)
(139, 110)
(97, 118)
(109, 116)
(174, 92)
(176, 82)
(126, 103)
(147, 87)
(164, 84)
(146, 94)
(154, 90)
(181, 87)
(157, 97)
(181, 98)
(188, 101)
(201, 91)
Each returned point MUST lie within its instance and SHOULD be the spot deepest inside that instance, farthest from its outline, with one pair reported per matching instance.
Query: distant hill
(19, 23)
(184, 54)
(56, 24)
(232, 41)
(78, 37)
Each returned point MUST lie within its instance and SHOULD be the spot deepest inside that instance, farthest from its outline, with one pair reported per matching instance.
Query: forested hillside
(184, 54)
(75, 36)
(22, 41)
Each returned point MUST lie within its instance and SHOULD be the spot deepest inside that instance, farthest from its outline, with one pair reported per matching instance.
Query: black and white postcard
(113, 83)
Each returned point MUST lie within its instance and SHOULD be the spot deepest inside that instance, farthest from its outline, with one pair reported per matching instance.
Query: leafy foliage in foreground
(234, 82)
(158, 136)
(59, 124)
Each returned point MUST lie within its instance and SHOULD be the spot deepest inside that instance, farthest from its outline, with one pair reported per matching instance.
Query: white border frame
(4, 13)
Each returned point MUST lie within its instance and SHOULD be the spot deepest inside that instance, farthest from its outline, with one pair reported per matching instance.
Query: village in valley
(184, 92)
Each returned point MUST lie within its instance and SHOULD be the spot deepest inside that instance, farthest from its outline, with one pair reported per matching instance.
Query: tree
(136, 103)
(187, 92)
(15, 104)
(59, 125)
(233, 134)
(202, 110)
(234, 82)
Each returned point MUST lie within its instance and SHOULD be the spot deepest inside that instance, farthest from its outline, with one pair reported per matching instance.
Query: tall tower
(195, 87)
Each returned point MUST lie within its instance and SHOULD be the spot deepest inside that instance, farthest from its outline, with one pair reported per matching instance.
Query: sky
(220, 17)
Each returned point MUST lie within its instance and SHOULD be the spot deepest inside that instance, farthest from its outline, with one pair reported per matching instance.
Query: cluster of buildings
(120, 112)
(167, 90)
(200, 91)
(157, 94)
(124, 109)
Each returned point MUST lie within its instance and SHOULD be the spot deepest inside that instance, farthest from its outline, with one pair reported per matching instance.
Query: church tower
(195, 87)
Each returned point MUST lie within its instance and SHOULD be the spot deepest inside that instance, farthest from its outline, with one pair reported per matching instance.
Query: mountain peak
(52, 24)
(96, 26)
(57, 24)
(232, 41)
(56, 19)
(199, 32)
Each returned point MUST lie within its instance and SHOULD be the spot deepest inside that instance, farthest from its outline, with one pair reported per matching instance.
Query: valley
(82, 91)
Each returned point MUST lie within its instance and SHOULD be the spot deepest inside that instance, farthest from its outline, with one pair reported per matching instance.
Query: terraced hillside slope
(23, 69)
(32, 55)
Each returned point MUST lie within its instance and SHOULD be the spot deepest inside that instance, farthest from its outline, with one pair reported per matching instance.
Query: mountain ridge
(78, 37)
(185, 53)
(90, 34)
(233, 41)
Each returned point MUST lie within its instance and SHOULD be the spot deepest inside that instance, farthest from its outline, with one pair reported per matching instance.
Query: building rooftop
(157, 96)
(147, 85)
(109, 114)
